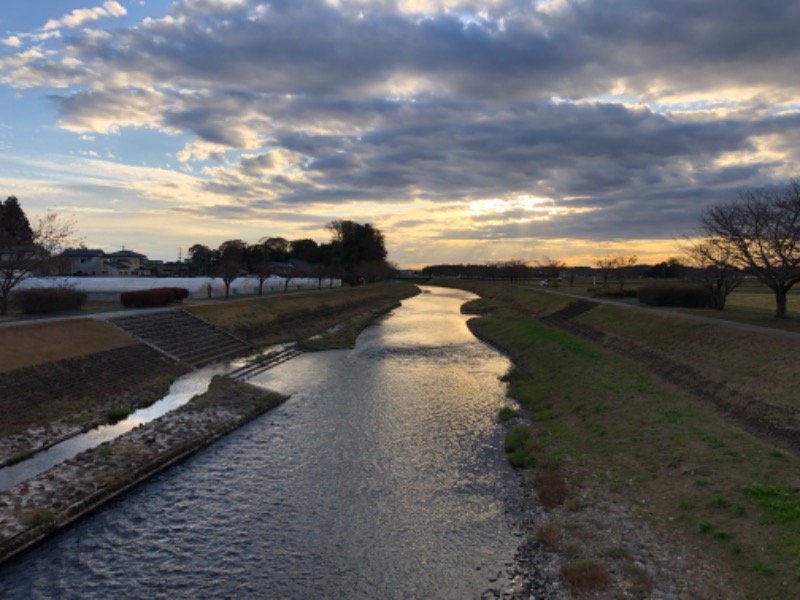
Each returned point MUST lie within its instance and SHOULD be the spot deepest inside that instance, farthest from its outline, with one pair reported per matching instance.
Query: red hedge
(153, 297)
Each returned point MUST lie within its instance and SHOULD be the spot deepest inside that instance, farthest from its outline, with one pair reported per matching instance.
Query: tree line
(356, 254)
(756, 235)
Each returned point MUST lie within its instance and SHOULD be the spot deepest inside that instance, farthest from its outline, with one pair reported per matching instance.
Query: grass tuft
(552, 488)
(118, 413)
(18, 457)
(518, 444)
(506, 414)
(583, 576)
(549, 533)
(41, 517)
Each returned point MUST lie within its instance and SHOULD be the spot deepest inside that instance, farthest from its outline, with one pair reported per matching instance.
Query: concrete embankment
(40, 506)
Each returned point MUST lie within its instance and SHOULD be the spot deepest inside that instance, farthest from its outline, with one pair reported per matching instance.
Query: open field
(726, 504)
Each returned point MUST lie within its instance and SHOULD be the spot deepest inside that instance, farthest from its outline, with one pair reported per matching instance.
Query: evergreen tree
(26, 250)
(15, 230)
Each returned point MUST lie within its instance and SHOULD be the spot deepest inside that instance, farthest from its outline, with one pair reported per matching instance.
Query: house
(127, 263)
(85, 261)
(96, 263)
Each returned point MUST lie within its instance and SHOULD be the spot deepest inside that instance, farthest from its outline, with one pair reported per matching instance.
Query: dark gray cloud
(639, 112)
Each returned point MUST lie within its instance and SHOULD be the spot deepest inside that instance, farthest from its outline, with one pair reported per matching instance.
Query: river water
(383, 476)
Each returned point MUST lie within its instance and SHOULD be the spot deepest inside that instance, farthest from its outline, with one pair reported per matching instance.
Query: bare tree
(514, 269)
(616, 266)
(713, 268)
(760, 232)
(550, 268)
(26, 250)
(232, 255)
(606, 265)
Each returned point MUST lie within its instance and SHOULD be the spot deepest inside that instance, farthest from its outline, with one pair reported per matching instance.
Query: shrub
(49, 300)
(549, 533)
(686, 295)
(153, 297)
(611, 293)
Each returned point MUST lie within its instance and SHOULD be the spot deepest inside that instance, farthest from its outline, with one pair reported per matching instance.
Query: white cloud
(12, 41)
(80, 16)
(115, 9)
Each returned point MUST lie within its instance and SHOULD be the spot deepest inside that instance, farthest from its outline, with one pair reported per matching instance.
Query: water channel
(382, 477)
(181, 391)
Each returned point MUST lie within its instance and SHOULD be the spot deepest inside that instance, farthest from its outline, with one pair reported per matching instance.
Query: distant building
(85, 261)
(170, 268)
(96, 263)
(127, 263)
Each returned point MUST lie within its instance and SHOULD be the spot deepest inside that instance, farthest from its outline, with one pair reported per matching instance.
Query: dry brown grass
(584, 576)
(551, 487)
(549, 533)
(737, 357)
(39, 343)
(275, 319)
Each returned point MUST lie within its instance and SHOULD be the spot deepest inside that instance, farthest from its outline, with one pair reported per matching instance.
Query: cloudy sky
(465, 131)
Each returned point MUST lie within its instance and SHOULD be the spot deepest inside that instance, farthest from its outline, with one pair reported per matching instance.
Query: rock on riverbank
(53, 500)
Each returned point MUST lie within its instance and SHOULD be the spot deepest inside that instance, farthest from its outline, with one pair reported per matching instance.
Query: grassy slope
(742, 359)
(310, 313)
(613, 428)
(35, 344)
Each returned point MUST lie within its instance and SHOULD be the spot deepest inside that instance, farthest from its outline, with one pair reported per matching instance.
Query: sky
(467, 132)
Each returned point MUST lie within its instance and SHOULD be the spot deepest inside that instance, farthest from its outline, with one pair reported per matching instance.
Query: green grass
(40, 517)
(20, 456)
(506, 414)
(118, 413)
(780, 503)
(518, 444)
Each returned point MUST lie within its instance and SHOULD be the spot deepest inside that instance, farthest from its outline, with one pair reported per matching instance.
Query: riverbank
(46, 402)
(58, 379)
(73, 489)
(652, 488)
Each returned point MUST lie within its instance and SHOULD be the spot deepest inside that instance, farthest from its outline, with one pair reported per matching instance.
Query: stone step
(183, 336)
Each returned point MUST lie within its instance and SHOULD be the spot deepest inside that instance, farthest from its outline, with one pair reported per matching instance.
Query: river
(383, 476)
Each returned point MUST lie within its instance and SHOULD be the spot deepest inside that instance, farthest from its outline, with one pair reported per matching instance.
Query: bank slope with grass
(277, 319)
(649, 488)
